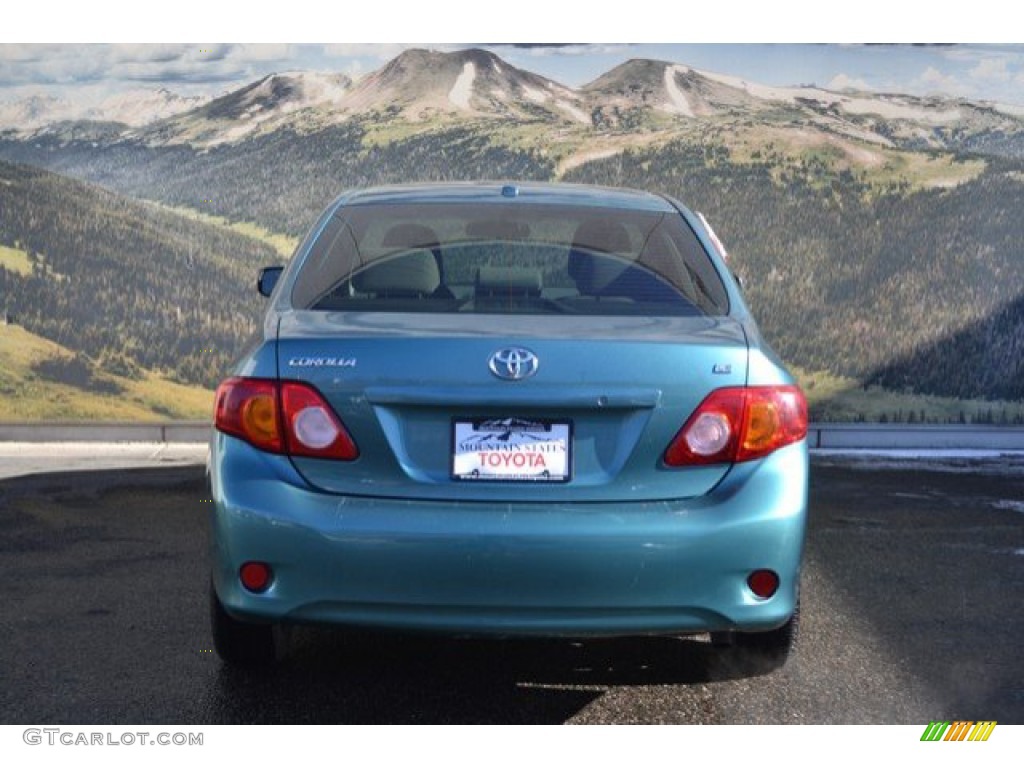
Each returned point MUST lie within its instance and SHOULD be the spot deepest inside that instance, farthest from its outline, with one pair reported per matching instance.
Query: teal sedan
(508, 409)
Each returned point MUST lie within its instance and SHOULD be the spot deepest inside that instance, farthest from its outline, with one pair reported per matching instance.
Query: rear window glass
(514, 259)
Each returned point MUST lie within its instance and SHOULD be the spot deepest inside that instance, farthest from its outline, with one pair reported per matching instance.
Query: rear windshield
(514, 259)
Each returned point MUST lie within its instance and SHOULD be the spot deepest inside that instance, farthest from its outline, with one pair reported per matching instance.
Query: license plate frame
(511, 449)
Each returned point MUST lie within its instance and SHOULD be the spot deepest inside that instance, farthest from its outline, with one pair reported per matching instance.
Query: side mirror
(268, 279)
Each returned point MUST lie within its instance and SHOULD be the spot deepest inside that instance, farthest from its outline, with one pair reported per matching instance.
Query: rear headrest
(594, 274)
(508, 281)
(498, 229)
(411, 274)
(603, 237)
(591, 271)
(404, 236)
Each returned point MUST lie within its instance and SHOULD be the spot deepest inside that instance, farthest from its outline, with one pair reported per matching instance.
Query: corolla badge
(322, 362)
(513, 363)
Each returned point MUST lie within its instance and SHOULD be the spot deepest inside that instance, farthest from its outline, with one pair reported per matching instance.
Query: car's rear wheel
(242, 643)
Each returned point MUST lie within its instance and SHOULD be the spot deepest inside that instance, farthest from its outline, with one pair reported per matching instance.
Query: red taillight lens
(740, 424)
(282, 417)
(312, 427)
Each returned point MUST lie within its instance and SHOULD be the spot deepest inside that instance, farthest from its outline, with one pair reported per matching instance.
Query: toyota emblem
(513, 363)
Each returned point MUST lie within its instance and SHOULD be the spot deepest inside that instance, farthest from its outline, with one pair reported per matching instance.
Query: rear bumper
(538, 569)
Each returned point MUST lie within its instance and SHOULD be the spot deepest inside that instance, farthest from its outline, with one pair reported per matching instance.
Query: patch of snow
(576, 112)
(321, 87)
(883, 107)
(135, 107)
(310, 89)
(1016, 506)
(234, 132)
(1017, 110)
(534, 95)
(35, 111)
(498, 92)
(567, 92)
(894, 110)
(861, 154)
(678, 103)
(139, 106)
(769, 92)
(496, 67)
(462, 90)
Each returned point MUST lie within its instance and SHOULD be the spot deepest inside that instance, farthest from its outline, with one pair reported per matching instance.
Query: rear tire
(760, 652)
(770, 649)
(242, 643)
(775, 644)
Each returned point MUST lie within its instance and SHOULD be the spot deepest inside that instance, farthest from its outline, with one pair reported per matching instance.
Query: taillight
(739, 424)
(311, 425)
(282, 417)
(247, 408)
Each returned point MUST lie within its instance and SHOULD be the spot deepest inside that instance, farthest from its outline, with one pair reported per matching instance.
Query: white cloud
(381, 51)
(578, 49)
(843, 81)
(935, 81)
(126, 62)
(992, 69)
(262, 51)
(137, 52)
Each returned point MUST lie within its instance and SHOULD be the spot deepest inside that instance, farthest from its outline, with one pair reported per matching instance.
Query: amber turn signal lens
(259, 417)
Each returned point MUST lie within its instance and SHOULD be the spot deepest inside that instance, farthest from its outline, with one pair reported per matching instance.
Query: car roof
(505, 192)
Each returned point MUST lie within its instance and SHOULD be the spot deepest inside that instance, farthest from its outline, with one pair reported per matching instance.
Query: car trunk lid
(412, 388)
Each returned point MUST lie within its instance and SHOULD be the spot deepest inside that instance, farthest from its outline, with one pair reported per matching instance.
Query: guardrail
(105, 432)
(915, 436)
(819, 436)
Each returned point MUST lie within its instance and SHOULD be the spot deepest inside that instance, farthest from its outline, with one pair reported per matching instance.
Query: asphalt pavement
(911, 613)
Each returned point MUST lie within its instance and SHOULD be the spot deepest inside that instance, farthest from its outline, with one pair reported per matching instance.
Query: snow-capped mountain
(269, 103)
(422, 84)
(132, 108)
(638, 99)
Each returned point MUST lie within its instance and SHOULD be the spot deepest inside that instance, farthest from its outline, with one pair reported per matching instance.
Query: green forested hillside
(35, 385)
(860, 281)
(125, 284)
(283, 180)
(861, 275)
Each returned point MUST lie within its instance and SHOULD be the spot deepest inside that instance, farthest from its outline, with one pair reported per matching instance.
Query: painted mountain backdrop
(880, 237)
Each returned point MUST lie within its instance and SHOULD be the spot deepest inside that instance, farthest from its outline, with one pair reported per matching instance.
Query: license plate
(512, 449)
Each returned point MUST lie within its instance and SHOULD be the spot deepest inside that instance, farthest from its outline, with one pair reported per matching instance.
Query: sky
(45, 56)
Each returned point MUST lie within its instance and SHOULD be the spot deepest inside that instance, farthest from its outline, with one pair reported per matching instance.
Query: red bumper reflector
(255, 576)
(763, 583)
